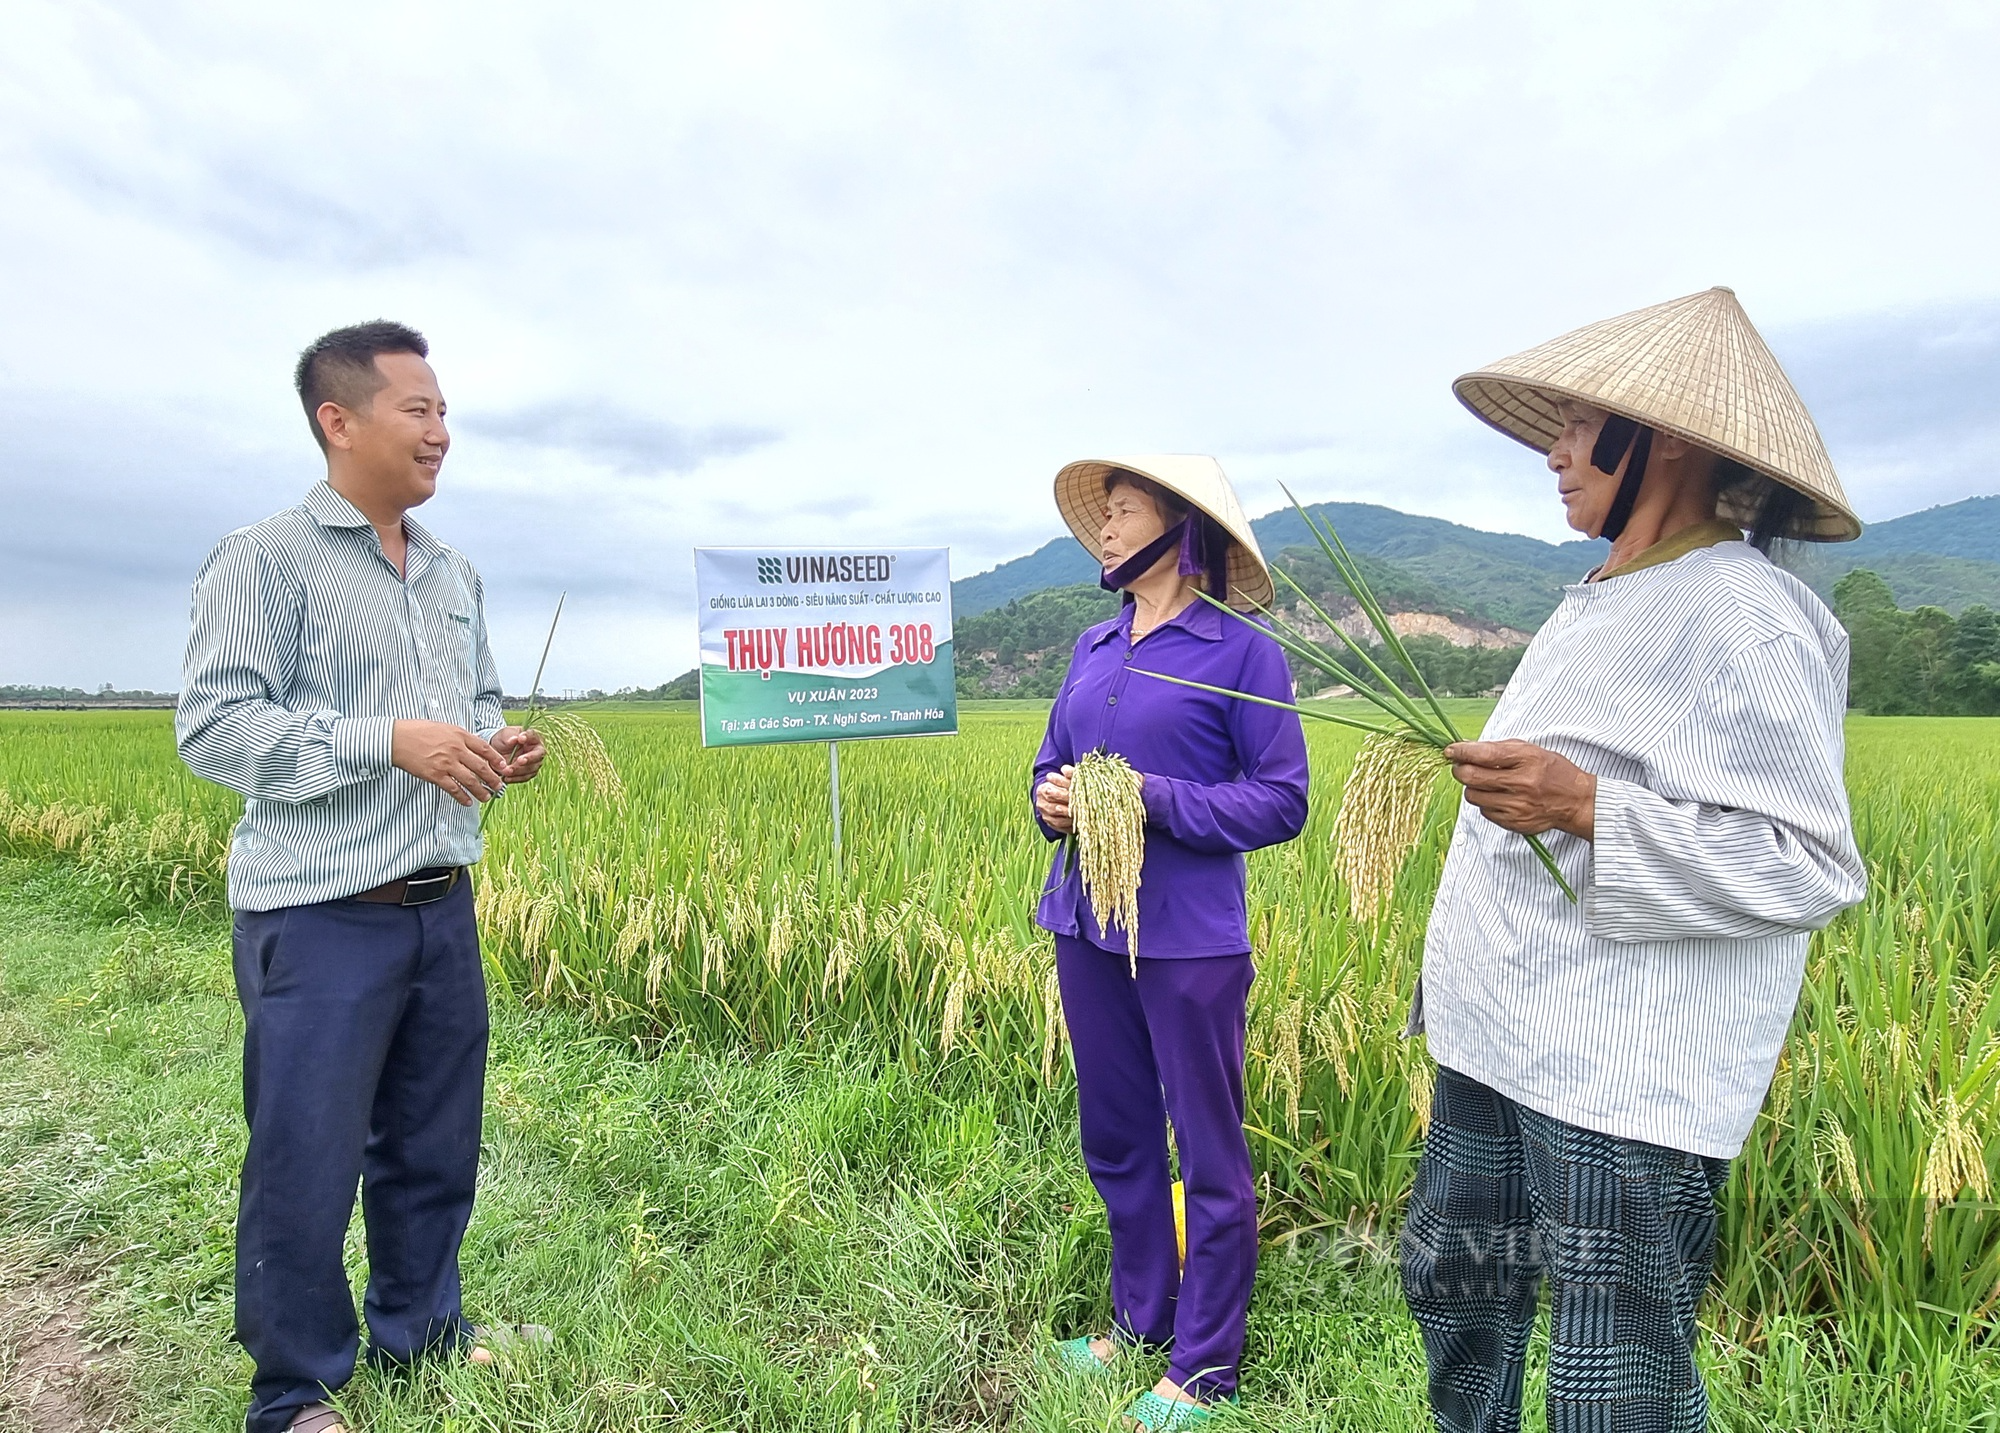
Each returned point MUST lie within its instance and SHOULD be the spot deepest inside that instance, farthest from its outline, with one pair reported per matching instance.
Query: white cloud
(795, 272)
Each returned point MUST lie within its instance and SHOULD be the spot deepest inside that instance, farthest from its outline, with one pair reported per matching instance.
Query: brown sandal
(318, 1418)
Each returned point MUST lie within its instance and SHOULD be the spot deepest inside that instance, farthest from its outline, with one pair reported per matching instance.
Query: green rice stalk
(534, 689)
(1394, 703)
(1315, 713)
(1406, 733)
(1364, 596)
(1387, 695)
(1385, 692)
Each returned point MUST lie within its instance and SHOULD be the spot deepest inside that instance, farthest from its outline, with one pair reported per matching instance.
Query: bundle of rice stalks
(1110, 841)
(1381, 818)
(1413, 720)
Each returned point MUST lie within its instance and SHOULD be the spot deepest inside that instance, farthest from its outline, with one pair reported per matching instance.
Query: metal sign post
(833, 768)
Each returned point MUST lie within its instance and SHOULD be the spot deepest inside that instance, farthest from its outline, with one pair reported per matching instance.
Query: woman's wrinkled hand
(1052, 800)
(1525, 787)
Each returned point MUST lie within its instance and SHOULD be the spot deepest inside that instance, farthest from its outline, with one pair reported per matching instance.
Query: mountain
(1059, 562)
(1022, 647)
(1945, 556)
(1507, 578)
(1917, 579)
(1968, 529)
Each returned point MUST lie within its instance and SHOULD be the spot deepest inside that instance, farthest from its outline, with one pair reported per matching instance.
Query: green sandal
(1156, 1415)
(1076, 1355)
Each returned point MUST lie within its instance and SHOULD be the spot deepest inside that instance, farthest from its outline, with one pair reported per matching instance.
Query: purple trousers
(1168, 1045)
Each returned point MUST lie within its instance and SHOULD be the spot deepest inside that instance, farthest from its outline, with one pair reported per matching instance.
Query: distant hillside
(1505, 577)
(1916, 579)
(1022, 648)
(1059, 562)
(1946, 556)
(684, 688)
(1968, 529)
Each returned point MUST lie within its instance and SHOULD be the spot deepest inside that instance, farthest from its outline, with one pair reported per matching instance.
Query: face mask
(1204, 548)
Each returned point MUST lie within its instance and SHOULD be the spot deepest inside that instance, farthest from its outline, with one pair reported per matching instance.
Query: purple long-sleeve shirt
(1221, 776)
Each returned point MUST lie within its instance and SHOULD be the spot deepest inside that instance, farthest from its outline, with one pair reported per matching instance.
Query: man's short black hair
(339, 367)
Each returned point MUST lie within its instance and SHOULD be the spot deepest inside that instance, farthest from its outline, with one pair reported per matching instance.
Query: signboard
(824, 644)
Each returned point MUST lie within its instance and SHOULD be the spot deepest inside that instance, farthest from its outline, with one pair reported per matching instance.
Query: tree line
(1450, 670)
(15, 693)
(1923, 662)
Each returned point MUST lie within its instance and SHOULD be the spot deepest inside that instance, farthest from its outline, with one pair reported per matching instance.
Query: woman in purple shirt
(1219, 777)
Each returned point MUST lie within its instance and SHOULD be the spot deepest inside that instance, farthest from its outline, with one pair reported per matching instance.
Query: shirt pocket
(458, 632)
(464, 659)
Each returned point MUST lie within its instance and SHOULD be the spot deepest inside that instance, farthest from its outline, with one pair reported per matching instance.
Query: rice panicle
(1110, 822)
(1381, 816)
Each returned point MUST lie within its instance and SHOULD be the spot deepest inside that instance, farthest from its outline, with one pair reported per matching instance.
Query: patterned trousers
(1623, 1231)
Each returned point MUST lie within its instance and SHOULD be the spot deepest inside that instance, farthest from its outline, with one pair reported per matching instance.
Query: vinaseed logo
(822, 569)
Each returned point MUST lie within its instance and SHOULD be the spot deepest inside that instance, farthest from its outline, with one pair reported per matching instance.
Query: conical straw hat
(1693, 367)
(1194, 478)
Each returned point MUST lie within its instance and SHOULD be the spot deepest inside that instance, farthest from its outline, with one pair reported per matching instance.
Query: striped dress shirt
(307, 647)
(1707, 696)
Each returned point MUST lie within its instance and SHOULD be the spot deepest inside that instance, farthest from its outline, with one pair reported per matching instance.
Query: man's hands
(450, 758)
(523, 752)
(1525, 787)
(1052, 800)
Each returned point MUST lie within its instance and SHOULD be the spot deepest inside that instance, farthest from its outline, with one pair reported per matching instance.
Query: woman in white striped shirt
(1676, 729)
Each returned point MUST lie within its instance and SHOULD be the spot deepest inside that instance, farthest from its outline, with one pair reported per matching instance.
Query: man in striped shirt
(1676, 730)
(338, 676)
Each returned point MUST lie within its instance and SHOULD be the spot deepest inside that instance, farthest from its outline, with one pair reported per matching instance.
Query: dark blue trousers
(1169, 1043)
(364, 1061)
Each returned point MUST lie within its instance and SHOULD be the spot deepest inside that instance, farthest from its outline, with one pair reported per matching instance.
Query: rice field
(696, 898)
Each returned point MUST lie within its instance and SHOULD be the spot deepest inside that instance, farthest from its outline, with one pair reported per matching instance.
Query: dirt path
(53, 1377)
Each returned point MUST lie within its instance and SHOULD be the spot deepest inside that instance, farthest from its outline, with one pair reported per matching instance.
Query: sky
(869, 274)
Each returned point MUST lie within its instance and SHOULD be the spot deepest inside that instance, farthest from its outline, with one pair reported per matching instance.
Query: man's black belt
(433, 883)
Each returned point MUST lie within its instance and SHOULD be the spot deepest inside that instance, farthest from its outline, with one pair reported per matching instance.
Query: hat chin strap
(1202, 545)
(1619, 439)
